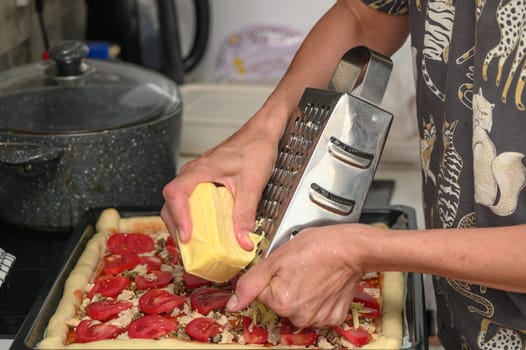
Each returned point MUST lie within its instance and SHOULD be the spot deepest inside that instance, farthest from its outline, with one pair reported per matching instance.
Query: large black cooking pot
(77, 134)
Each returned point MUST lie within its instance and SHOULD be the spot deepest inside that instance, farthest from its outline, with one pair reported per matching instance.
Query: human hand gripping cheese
(213, 252)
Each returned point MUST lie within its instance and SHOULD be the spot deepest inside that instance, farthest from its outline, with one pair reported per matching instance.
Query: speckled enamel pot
(84, 135)
(48, 182)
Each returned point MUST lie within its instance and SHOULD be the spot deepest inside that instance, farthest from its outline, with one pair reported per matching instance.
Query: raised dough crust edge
(110, 222)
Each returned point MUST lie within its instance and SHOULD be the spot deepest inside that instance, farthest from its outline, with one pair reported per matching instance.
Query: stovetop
(38, 256)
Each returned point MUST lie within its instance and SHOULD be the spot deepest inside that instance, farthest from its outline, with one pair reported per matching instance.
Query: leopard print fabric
(470, 62)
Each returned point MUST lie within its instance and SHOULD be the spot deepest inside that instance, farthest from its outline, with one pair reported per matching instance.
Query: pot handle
(28, 160)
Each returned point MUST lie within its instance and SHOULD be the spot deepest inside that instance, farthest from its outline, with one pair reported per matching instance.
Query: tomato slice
(109, 286)
(170, 242)
(254, 334)
(358, 336)
(120, 243)
(107, 309)
(192, 281)
(209, 299)
(202, 329)
(369, 283)
(139, 243)
(117, 243)
(369, 312)
(151, 327)
(153, 263)
(176, 256)
(115, 264)
(366, 299)
(154, 279)
(292, 335)
(157, 301)
(86, 331)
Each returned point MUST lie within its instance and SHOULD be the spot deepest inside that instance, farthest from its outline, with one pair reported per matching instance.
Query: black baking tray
(35, 323)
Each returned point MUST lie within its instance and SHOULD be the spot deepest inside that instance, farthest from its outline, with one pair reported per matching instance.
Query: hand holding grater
(329, 152)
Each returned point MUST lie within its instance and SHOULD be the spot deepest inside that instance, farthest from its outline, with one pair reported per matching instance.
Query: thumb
(248, 287)
(244, 214)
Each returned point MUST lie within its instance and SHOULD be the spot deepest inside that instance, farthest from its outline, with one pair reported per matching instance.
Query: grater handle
(376, 76)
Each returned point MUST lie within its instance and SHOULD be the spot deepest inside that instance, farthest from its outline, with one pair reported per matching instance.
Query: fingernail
(249, 245)
(180, 233)
(232, 302)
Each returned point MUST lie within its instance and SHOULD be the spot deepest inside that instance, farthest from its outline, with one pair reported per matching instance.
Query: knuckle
(246, 217)
(242, 286)
(336, 319)
(283, 308)
(169, 191)
(300, 321)
(279, 308)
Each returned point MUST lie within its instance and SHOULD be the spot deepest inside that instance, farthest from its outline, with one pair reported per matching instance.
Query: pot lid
(71, 94)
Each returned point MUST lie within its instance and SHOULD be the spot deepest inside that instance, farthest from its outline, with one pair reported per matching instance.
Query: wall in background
(230, 16)
(20, 36)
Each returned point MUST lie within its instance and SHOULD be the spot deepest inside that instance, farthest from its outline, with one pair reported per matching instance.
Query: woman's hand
(312, 278)
(243, 163)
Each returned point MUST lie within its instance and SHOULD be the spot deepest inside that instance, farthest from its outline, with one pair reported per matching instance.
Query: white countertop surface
(5, 344)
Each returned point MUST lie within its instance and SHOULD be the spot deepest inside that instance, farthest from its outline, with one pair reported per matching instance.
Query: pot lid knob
(68, 57)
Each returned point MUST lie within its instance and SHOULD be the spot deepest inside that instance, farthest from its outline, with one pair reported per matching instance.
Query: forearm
(488, 256)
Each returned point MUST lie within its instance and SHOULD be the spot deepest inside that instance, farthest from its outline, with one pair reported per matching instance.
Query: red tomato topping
(139, 243)
(154, 279)
(369, 312)
(120, 243)
(357, 337)
(157, 301)
(292, 335)
(151, 327)
(153, 263)
(87, 332)
(115, 264)
(192, 281)
(370, 283)
(209, 299)
(174, 253)
(107, 309)
(170, 242)
(366, 299)
(202, 329)
(254, 334)
(109, 286)
(117, 243)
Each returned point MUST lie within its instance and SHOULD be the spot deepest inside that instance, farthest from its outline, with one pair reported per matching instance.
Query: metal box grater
(329, 152)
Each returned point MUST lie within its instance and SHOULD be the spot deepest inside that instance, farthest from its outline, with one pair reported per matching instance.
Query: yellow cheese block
(213, 252)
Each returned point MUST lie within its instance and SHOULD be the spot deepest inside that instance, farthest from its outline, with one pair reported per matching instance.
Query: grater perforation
(329, 152)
